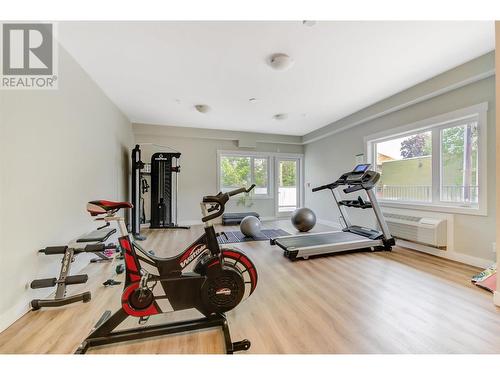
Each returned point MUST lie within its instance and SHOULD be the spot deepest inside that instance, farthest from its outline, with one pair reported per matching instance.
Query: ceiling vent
(280, 116)
(280, 61)
(308, 23)
(202, 108)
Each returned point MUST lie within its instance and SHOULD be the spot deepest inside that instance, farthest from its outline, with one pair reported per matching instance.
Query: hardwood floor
(391, 302)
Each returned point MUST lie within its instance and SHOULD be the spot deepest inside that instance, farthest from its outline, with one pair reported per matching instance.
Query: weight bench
(98, 235)
(65, 279)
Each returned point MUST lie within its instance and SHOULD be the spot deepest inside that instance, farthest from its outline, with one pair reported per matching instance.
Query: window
(261, 176)
(459, 179)
(405, 166)
(436, 162)
(236, 171)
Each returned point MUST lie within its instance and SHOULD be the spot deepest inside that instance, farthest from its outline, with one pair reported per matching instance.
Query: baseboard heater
(429, 231)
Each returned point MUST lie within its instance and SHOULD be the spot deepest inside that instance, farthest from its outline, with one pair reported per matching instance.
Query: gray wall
(58, 149)
(199, 162)
(329, 157)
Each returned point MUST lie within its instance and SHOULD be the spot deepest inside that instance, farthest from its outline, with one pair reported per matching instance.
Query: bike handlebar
(220, 201)
(240, 190)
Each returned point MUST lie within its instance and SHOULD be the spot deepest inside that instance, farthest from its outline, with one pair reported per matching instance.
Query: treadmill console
(358, 173)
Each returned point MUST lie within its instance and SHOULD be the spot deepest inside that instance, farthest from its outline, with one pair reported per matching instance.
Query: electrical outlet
(494, 247)
(360, 158)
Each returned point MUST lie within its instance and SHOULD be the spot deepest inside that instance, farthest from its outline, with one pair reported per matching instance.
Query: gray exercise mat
(265, 234)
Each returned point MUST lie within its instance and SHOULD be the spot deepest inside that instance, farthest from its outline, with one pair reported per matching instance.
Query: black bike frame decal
(191, 254)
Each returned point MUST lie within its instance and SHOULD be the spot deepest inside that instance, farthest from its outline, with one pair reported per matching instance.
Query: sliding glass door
(287, 185)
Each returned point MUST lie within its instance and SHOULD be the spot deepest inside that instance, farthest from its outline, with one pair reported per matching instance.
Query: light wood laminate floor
(389, 302)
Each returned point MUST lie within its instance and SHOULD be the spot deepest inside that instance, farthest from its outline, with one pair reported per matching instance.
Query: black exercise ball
(303, 219)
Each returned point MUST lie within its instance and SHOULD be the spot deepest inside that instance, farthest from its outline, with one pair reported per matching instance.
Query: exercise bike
(218, 280)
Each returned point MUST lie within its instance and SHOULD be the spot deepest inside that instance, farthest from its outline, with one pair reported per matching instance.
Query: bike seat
(102, 206)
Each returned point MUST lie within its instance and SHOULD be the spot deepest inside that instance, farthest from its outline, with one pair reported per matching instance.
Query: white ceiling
(157, 71)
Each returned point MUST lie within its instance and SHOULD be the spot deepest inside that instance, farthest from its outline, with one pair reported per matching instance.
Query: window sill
(261, 197)
(475, 211)
(257, 197)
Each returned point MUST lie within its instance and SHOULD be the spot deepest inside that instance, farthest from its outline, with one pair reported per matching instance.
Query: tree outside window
(238, 171)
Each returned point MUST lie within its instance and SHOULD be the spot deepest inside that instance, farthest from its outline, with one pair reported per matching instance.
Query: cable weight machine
(164, 172)
(164, 190)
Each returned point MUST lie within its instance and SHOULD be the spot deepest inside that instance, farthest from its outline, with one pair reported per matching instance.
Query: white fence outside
(287, 199)
(423, 193)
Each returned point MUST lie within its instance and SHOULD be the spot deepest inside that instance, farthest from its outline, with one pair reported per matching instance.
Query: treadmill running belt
(318, 239)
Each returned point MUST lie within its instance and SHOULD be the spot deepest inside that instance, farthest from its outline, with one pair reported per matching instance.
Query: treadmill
(352, 237)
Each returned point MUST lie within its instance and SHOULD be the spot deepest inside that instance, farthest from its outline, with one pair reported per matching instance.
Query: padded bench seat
(99, 235)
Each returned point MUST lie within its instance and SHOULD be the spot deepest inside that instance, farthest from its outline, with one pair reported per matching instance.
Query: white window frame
(252, 156)
(435, 124)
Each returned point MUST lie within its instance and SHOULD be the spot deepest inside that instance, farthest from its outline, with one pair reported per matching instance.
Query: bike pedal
(143, 319)
(241, 345)
(111, 282)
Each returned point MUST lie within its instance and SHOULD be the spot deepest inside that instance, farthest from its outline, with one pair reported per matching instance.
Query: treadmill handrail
(353, 188)
(333, 185)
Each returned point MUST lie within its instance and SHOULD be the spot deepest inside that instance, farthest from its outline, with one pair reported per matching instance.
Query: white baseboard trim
(17, 311)
(190, 222)
(496, 298)
(448, 254)
(272, 218)
(13, 314)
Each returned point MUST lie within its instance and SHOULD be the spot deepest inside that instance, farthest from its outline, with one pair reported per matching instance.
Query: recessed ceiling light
(280, 61)
(252, 100)
(280, 116)
(202, 108)
(308, 23)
